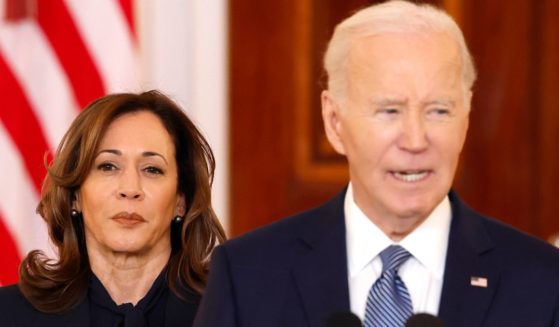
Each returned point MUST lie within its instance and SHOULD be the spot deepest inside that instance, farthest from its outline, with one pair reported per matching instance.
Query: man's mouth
(410, 176)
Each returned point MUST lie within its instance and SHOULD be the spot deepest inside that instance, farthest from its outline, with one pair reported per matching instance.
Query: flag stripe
(119, 69)
(34, 64)
(15, 113)
(55, 20)
(10, 256)
(19, 199)
(127, 8)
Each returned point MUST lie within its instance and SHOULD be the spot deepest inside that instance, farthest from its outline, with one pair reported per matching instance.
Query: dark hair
(56, 286)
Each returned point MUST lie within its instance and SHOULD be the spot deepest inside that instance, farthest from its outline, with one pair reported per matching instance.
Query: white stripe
(36, 67)
(104, 28)
(18, 200)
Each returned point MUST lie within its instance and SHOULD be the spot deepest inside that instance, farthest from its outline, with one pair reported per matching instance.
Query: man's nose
(130, 186)
(413, 136)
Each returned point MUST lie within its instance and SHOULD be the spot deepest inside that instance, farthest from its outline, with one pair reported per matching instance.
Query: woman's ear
(181, 205)
(76, 203)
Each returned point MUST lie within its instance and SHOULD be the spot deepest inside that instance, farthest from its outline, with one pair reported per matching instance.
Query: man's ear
(181, 205)
(331, 118)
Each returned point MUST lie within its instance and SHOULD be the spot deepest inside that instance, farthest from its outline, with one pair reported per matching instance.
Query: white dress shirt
(422, 272)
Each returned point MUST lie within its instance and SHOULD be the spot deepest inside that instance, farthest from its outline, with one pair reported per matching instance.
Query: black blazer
(294, 273)
(16, 311)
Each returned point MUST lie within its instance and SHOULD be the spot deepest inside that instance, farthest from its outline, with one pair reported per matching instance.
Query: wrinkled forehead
(391, 53)
(423, 45)
(414, 66)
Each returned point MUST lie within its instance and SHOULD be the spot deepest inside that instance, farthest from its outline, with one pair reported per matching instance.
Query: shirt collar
(427, 243)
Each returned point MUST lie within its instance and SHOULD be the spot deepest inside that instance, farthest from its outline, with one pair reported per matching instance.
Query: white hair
(396, 16)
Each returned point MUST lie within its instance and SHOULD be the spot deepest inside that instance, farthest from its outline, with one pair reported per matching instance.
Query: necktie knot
(393, 257)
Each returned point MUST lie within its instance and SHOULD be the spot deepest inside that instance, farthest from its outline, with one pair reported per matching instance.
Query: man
(397, 241)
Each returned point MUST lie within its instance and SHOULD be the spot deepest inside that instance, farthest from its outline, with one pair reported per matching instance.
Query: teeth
(410, 176)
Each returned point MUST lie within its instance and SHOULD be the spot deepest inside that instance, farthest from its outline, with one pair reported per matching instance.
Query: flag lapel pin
(478, 281)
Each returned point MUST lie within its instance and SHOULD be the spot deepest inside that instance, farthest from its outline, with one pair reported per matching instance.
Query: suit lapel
(471, 276)
(321, 272)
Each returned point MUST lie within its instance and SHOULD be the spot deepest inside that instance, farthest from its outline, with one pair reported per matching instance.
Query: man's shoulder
(279, 237)
(511, 245)
(521, 245)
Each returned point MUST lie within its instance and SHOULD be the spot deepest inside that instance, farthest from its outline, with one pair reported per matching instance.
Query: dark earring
(74, 213)
(177, 219)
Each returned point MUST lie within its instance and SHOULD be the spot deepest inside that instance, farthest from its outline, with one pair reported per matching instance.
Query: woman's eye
(153, 170)
(106, 166)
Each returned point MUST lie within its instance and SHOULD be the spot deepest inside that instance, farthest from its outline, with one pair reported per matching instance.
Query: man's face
(403, 124)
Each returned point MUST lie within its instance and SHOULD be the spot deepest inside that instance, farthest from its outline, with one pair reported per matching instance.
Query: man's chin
(418, 208)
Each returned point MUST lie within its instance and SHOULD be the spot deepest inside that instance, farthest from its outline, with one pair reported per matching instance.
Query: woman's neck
(128, 277)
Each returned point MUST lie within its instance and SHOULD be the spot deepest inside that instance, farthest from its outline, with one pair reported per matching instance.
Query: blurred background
(249, 73)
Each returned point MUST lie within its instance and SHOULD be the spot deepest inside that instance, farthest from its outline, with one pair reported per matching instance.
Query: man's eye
(106, 166)
(153, 170)
(388, 111)
(439, 112)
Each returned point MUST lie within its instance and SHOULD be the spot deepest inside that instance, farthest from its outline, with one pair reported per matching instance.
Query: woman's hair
(56, 286)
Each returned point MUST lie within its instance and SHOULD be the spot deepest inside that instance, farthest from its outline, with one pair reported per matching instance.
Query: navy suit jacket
(294, 273)
(16, 311)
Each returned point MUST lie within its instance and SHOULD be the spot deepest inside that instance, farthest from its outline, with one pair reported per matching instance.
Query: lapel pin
(478, 281)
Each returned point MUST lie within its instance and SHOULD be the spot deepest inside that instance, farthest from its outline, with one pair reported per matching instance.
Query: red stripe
(128, 11)
(10, 256)
(57, 24)
(22, 125)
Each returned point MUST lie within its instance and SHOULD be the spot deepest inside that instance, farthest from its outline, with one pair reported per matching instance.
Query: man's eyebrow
(444, 101)
(382, 101)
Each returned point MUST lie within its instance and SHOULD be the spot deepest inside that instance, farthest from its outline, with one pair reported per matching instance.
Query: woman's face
(129, 197)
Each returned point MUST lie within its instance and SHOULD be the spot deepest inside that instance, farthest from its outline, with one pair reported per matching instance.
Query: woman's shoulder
(15, 310)
(13, 306)
(181, 310)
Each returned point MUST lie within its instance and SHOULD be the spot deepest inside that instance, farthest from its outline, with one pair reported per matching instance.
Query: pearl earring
(177, 219)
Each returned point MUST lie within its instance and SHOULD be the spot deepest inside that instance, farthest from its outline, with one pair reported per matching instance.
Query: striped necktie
(389, 303)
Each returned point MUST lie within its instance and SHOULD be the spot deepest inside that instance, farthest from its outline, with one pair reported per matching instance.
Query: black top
(150, 311)
(160, 307)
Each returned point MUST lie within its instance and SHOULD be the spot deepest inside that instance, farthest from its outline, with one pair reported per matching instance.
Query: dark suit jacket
(16, 311)
(294, 273)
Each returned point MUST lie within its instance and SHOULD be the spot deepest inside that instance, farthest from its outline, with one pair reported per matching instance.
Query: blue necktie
(389, 303)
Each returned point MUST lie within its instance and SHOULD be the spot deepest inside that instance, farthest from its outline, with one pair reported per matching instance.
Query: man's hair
(395, 16)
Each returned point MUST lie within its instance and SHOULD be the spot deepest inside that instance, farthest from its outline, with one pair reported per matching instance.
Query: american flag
(55, 57)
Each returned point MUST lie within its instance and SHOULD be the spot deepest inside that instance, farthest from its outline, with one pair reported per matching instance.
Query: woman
(127, 205)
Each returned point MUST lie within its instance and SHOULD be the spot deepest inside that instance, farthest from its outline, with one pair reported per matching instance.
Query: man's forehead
(401, 49)
(384, 42)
